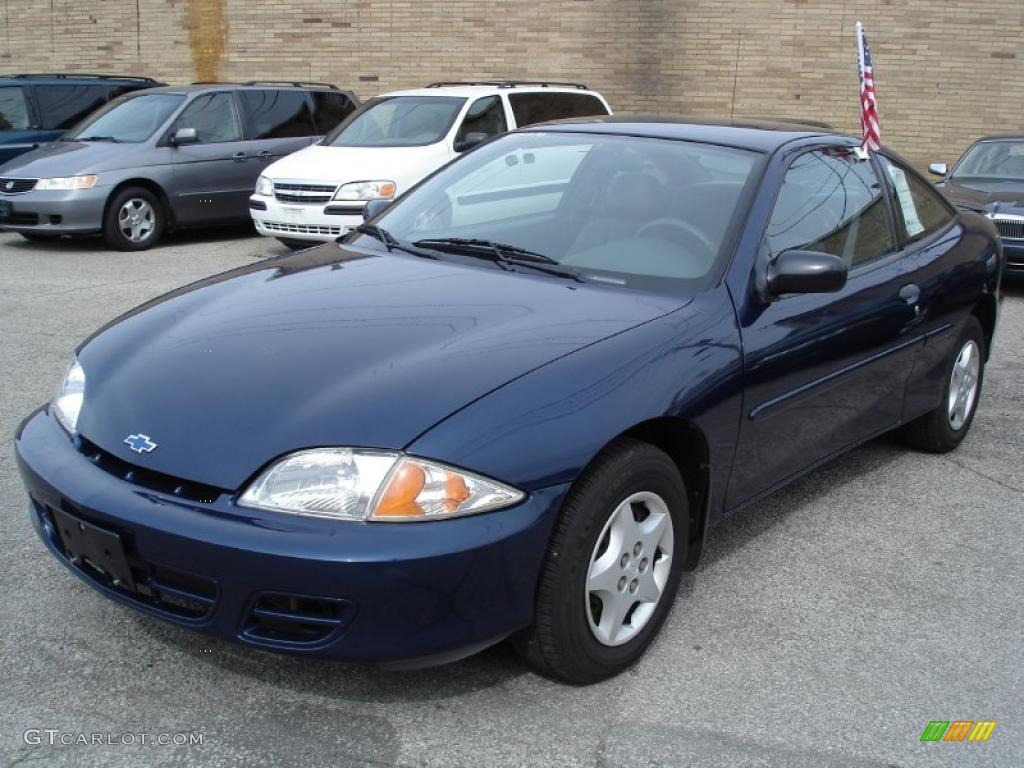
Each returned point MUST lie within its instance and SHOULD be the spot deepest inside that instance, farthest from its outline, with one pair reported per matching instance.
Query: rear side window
(330, 108)
(530, 108)
(833, 202)
(486, 115)
(920, 210)
(214, 117)
(62, 106)
(13, 109)
(277, 114)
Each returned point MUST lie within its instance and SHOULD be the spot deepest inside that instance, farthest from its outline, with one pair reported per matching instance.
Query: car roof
(74, 78)
(1001, 137)
(248, 86)
(469, 90)
(758, 135)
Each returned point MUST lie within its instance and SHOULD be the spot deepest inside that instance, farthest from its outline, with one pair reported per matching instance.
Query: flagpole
(860, 51)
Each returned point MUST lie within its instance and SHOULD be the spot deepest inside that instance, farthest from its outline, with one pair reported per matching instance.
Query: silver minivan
(164, 158)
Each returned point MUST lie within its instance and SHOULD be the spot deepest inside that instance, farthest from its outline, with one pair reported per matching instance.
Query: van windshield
(127, 119)
(397, 121)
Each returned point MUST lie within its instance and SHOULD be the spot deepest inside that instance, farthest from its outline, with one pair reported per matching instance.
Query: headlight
(366, 190)
(353, 484)
(67, 182)
(264, 186)
(68, 403)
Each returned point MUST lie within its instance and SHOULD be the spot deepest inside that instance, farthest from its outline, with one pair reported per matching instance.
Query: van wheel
(134, 220)
(942, 430)
(295, 245)
(612, 567)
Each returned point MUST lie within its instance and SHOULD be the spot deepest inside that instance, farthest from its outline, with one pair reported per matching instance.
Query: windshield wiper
(501, 253)
(93, 138)
(390, 241)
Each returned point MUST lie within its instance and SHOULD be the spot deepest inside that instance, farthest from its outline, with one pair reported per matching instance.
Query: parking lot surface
(826, 625)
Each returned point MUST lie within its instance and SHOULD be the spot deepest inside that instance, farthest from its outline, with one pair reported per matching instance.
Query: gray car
(164, 158)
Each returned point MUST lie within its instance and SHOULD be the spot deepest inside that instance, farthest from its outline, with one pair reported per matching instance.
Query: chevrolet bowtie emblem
(140, 443)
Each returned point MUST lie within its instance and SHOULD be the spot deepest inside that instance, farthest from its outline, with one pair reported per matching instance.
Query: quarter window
(214, 117)
(61, 106)
(485, 115)
(530, 108)
(831, 201)
(330, 108)
(275, 114)
(920, 210)
(13, 110)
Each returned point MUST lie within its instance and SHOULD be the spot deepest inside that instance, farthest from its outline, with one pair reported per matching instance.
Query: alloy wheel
(136, 220)
(963, 384)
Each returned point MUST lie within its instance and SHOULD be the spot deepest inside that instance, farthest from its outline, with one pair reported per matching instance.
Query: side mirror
(939, 169)
(375, 208)
(806, 272)
(470, 140)
(184, 136)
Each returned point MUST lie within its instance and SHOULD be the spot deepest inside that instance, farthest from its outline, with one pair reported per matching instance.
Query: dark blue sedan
(515, 401)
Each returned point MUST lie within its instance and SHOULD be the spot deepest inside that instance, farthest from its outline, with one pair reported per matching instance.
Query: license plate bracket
(93, 547)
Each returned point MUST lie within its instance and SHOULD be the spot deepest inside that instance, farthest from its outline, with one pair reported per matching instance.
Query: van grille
(16, 186)
(1010, 228)
(306, 194)
(303, 229)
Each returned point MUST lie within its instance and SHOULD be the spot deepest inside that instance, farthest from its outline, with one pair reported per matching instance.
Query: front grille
(306, 194)
(303, 229)
(177, 593)
(146, 478)
(16, 186)
(1010, 228)
(295, 619)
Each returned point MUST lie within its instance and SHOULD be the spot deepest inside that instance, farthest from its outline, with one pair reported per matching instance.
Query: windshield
(128, 119)
(652, 214)
(397, 121)
(992, 160)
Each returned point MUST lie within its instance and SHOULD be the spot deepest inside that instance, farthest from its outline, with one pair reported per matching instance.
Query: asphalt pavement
(826, 625)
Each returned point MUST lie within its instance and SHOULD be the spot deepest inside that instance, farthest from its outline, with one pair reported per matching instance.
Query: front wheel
(612, 567)
(134, 220)
(942, 430)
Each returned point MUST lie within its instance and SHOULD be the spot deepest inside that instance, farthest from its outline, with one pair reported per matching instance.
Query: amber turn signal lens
(405, 486)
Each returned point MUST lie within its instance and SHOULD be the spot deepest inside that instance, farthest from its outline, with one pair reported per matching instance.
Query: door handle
(263, 154)
(910, 293)
(239, 156)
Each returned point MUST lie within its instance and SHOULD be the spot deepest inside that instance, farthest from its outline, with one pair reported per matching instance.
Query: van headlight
(68, 402)
(264, 186)
(366, 190)
(356, 484)
(64, 183)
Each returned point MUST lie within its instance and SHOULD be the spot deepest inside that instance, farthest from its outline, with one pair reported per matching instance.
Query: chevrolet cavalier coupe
(514, 402)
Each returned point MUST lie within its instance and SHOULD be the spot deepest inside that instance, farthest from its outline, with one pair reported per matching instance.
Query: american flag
(868, 100)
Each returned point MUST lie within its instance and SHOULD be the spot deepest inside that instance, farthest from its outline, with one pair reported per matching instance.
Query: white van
(391, 143)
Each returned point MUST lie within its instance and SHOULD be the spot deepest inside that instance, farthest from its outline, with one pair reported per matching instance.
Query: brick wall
(945, 72)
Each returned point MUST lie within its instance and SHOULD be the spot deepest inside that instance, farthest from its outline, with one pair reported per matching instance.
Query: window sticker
(906, 200)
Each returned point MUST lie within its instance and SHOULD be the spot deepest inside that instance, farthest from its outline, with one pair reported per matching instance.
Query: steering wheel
(673, 229)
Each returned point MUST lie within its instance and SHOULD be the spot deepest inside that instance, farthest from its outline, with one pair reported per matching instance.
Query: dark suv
(165, 157)
(38, 108)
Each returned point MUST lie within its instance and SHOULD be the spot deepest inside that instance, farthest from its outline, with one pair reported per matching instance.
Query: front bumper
(58, 212)
(399, 592)
(291, 221)
(1014, 250)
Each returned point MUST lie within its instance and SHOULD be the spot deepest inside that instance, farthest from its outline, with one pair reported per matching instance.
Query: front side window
(398, 121)
(330, 108)
(277, 114)
(920, 210)
(831, 201)
(1002, 159)
(530, 108)
(619, 210)
(131, 119)
(214, 117)
(13, 109)
(486, 115)
(61, 106)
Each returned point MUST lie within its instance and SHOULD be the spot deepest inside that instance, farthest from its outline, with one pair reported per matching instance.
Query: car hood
(338, 165)
(328, 347)
(70, 158)
(982, 195)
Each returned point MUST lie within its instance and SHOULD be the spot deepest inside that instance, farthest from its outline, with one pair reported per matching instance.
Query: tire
(125, 233)
(942, 429)
(36, 237)
(569, 616)
(296, 245)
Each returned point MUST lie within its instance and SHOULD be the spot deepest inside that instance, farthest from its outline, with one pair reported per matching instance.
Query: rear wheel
(134, 220)
(942, 429)
(295, 245)
(612, 567)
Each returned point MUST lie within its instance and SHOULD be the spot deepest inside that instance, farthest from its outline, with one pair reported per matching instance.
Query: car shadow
(177, 238)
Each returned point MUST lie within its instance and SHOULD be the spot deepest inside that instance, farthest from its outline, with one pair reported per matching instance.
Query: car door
(279, 120)
(485, 116)
(825, 371)
(214, 176)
